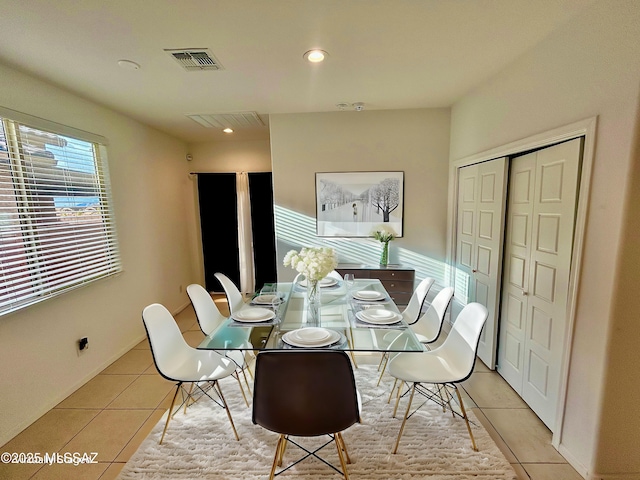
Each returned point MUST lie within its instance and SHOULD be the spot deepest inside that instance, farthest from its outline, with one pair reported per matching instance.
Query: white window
(57, 229)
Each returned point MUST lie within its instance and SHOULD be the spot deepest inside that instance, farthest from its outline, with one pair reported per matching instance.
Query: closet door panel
(557, 172)
(489, 240)
(538, 249)
(481, 202)
(517, 259)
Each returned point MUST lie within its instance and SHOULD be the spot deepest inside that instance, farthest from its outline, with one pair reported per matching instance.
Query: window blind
(57, 227)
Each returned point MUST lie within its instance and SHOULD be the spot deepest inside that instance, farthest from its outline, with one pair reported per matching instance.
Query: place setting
(369, 296)
(312, 337)
(269, 297)
(326, 282)
(378, 317)
(254, 315)
(362, 298)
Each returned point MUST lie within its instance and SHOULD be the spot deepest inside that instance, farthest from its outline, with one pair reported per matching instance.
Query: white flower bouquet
(315, 263)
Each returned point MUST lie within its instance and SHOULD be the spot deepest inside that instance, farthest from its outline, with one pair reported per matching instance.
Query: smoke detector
(195, 59)
(358, 106)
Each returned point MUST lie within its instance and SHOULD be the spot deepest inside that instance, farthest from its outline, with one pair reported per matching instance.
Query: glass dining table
(359, 318)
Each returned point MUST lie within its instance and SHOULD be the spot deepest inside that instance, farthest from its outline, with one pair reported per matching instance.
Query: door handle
(525, 293)
(474, 270)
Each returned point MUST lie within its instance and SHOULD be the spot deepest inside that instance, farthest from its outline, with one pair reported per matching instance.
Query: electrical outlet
(83, 344)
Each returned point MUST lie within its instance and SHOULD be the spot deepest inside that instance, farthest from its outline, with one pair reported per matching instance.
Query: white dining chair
(412, 311)
(175, 360)
(416, 302)
(443, 367)
(209, 318)
(234, 297)
(429, 326)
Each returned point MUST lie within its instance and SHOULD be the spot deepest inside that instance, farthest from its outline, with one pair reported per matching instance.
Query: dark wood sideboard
(397, 279)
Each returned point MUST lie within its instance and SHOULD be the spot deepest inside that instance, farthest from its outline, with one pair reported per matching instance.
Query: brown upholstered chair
(305, 393)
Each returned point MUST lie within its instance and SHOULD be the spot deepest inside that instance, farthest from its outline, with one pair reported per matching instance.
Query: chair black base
(281, 446)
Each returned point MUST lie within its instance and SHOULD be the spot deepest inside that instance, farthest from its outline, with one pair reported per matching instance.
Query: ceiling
(388, 54)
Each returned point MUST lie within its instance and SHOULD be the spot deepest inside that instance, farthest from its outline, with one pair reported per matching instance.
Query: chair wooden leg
(444, 402)
(344, 447)
(404, 420)
(395, 410)
(244, 374)
(381, 360)
(385, 356)
(466, 419)
(276, 457)
(237, 377)
(392, 389)
(283, 448)
(226, 407)
(169, 412)
(350, 343)
(341, 455)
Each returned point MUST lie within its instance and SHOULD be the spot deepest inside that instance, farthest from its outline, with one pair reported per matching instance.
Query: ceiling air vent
(223, 120)
(195, 59)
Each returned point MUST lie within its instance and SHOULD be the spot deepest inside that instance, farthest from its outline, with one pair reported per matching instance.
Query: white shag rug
(434, 445)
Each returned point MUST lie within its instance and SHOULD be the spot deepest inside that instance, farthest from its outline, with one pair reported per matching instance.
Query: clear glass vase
(384, 257)
(314, 293)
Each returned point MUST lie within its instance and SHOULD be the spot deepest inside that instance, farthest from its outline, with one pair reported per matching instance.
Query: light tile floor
(115, 411)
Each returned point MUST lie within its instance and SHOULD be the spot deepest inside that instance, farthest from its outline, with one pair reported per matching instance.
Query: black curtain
(262, 225)
(219, 224)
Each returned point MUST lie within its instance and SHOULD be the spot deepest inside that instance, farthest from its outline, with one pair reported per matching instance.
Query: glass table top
(362, 318)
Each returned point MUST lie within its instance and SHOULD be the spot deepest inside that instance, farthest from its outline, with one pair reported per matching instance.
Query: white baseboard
(571, 460)
(614, 476)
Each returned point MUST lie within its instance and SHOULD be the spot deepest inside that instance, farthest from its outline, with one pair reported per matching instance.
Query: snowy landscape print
(355, 204)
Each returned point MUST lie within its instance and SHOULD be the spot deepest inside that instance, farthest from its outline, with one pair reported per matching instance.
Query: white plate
(378, 316)
(368, 295)
(311, 337)
(269, 299)
(254, 314)
(325, 282)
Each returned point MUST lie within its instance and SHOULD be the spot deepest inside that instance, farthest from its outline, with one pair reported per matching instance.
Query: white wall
(589, 67)
(151, 192)
(231, 156)
(413, 141)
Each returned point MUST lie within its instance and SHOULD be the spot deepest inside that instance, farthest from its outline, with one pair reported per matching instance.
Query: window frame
(94, 253)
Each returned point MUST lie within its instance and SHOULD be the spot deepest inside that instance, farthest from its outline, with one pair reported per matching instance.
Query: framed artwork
(355, 204)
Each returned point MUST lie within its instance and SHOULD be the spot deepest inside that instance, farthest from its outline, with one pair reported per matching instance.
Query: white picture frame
(356, 204)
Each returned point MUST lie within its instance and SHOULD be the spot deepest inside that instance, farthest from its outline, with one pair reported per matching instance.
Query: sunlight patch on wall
(295, 230)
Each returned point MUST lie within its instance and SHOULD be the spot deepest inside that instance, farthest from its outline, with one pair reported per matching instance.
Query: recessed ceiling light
(128, 65)
(228, 130)
(315, 56)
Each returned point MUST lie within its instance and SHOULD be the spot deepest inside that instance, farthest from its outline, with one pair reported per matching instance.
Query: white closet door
(542, 202)
(515, 284)
(481, 203)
